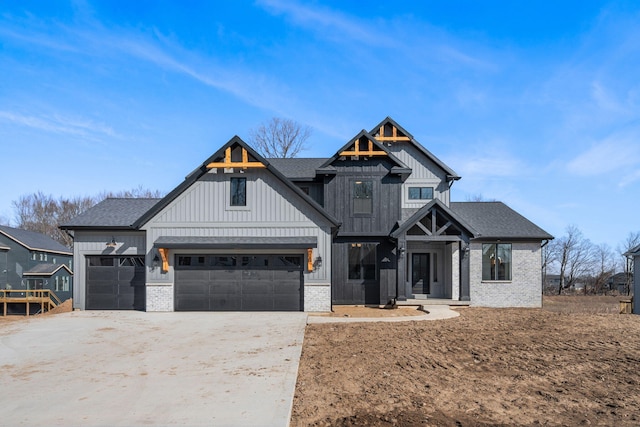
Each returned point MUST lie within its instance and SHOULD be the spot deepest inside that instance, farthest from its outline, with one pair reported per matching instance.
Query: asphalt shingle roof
(298, 168)
(34, 241)
(45, 269)
(112, 212)
(497, 220)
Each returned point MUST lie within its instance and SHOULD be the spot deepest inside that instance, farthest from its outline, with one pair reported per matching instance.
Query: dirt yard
(574, 362)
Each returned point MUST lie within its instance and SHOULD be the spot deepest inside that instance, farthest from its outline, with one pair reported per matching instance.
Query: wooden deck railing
(46, 298)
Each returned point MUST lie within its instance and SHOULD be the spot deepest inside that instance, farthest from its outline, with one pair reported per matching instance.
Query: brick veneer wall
(523, 290)
(160, 297)
(317, 297)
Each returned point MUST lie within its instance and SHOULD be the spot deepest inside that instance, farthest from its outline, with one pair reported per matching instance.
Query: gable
(207, 202)
(410, 151)
(362, 148)
(235, 159)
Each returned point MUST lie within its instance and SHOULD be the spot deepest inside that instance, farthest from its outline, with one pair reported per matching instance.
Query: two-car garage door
(239, 282)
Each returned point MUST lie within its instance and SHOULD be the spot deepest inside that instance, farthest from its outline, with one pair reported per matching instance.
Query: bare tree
(631, 241)
(280, 138)
(478, 198)
(42, 213)
(575, 257)
(603, 267)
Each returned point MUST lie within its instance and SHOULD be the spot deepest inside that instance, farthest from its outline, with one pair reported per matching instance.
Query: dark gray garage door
(238, 283)
(115, 283)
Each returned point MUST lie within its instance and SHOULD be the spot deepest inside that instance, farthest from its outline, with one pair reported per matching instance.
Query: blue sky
(536, 104)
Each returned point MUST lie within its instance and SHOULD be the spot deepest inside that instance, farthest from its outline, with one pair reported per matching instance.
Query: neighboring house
(30, 260)
(618, 282)
(372, 224)
(635, 255)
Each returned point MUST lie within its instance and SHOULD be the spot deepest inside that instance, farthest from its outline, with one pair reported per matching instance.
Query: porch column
(465, 256)
(401, 253)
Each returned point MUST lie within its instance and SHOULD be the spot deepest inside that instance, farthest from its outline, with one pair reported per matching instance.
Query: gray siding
(424, 173)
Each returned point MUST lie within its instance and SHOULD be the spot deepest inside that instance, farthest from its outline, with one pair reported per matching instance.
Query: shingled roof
(34, 241)
(46, 269)
(495, 220)
(298, 168)
(112, 213)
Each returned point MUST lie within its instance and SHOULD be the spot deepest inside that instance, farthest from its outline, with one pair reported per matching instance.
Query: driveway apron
(133, 368)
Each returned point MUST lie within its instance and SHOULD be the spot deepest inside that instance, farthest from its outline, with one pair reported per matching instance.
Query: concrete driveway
(134, 369)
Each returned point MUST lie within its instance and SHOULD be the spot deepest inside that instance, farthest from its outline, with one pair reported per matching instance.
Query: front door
(420, 273)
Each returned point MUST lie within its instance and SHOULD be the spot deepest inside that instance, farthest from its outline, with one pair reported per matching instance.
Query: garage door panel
(226, 288)
(257, 303)
(192, 303)
(285, 302)
(194, 288)
(195, 275)
(284, 288)
(224, 275)
(102, 302)
(257, 287)
(102, 273)
(130, 274)
(225, 303)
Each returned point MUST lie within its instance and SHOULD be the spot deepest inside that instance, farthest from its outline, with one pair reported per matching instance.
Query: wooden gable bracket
(164, 254)
(370, 150)
(228, 163)
(394, 136)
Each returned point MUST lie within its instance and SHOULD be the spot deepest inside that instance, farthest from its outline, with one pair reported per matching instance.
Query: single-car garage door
(115, 283)
(238, 282)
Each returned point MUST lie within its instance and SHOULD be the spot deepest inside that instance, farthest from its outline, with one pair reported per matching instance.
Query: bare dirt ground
(573, 362)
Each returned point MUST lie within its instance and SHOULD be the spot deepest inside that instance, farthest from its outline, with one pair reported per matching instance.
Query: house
(372, 224)
(634, 255)
(30, 260)
(618, 282)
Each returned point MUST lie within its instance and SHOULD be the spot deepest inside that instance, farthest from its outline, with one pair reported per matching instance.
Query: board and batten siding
(94, 243)
(424, 172)
(386, 197)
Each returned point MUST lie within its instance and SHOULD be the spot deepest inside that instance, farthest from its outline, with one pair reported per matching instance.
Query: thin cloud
(60, 124)
(324, 19)
(614, 154)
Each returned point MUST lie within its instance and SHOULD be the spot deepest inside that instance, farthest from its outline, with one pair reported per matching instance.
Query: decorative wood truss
(389, 132)
(228, 163)
(369, 149)
(436, 226)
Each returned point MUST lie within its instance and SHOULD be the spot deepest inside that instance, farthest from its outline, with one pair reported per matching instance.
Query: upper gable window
(238, 192)
(362, 197)
(420, 193)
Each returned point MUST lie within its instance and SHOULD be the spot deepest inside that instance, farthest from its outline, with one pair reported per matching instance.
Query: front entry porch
(435, 245)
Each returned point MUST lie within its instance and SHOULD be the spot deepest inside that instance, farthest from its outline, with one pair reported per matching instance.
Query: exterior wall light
(156, 262)
(401, 251)
(112, 243)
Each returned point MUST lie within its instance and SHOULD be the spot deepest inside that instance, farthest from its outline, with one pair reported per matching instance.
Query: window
(238, 191)
(61, 284)
(420, 193)
(496, 261)
(362, 261)
(362, 197)
(33, 256)
(35, 284)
